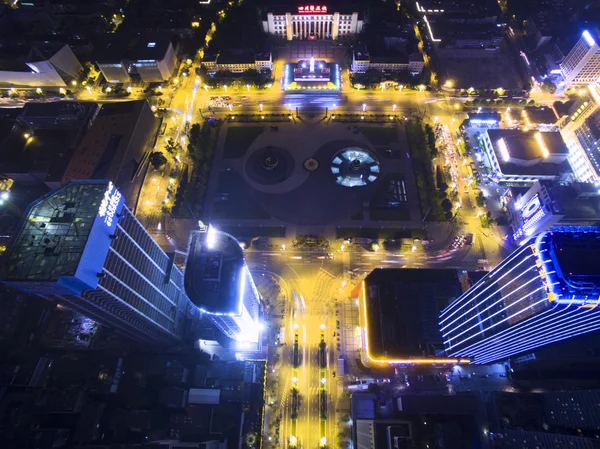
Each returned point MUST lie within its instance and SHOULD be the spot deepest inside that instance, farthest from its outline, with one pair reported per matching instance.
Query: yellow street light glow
(195, 24)
(323, 380)
(323, 441)
(449, 83)
(293, 440)
(108, 89)
(390, 361)
(542, 145)
(294, 380)
(296, 326)
(322, 327)
(27, 135)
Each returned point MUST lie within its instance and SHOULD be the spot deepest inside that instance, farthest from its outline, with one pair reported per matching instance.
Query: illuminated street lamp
(283, 246)
(248, 87)
(61, 90)
(38, 90)
(364, 107)
(323, 441)
(500, 91)
(294, 380)
(322, 327)
(225, 87)
(260, 107)
(108, 89)
(205, 88)
(449, 84)
(393, 108)
(421, 87)
(129, 89)
(323, 380)
(293, 440)
(296, 326)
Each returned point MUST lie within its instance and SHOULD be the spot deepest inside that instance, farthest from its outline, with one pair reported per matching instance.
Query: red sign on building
(312, 9)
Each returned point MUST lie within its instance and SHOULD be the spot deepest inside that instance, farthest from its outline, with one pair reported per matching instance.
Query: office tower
(218, 282)
(82, 247)
(582, 65)
(581, 132)
(547, 290)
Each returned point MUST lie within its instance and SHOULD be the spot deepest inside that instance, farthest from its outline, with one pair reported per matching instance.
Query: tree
(549, 86)
(173, 146)
(157, 159)
(447, 205)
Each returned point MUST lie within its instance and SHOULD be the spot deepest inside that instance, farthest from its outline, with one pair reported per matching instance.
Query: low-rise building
(237, 62)
(149, 56)
(363, 61)
(516, 156)
(47, 65)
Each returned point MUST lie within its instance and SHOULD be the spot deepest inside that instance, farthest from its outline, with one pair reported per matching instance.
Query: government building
(312, 22)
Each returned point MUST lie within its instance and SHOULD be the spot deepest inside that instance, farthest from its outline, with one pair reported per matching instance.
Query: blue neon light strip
(485, 300)
(480, 284)
(572, 326)
(480, 322)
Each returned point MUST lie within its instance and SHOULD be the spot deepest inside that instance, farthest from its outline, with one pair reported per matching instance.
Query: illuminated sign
(109, 204)
(312, 9)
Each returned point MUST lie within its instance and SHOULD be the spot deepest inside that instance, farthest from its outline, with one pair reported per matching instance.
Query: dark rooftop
(116, 47)
(403, 307)
(214, 270)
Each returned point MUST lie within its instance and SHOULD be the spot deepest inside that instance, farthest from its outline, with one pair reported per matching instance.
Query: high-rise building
(546, 291)
(218, 282)
(581, 132)
(582, 65)
(82, 247)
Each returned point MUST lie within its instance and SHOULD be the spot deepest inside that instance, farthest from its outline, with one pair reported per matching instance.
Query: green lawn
(238, 139)
(380, 135)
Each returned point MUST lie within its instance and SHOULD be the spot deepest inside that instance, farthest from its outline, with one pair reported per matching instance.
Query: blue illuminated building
(218, 282)
(81, 247)
(546, 291)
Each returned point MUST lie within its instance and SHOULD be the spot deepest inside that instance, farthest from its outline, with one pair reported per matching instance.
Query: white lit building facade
(580, 131)
(544, 292)
(218, 282)
(582, 65)
(312, 22)
(81, 247)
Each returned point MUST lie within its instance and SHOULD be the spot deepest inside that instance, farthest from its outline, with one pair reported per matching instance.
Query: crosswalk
(322, 286)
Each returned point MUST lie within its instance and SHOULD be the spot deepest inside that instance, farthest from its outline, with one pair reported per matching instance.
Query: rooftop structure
(114, 147)
(545, 291)
(398, 310)
(37, 144)
(81, 247)
(546, 205)
(517, 156)
(218, 282)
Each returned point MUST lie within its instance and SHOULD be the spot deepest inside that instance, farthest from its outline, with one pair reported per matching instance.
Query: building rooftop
(215, 271)
(114, 48)
(403, 306)
(55, 232)
(236, 58)
(541, 115)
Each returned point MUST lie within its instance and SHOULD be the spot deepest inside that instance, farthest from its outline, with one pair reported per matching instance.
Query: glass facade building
(82, 247)
(547, 290)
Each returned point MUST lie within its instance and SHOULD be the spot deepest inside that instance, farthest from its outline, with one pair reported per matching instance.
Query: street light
(364, 107)
(323, 380)
(449, 84)
(293, 440)
(322, 327)
(248, 87)
(323, 441)
(393, 108)
(294, 380)
(225, 87)
(261, 107)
